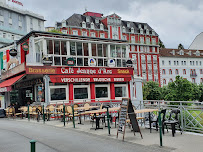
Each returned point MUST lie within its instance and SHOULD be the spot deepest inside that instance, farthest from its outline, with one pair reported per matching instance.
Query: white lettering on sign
(86, 71)
(102, 79)
(67, 71)
(75, 79)
(119, 79)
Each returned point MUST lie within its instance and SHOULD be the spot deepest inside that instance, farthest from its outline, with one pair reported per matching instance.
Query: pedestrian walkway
(186, 142)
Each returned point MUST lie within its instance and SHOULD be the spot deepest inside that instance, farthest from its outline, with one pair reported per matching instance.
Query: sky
(175, 21)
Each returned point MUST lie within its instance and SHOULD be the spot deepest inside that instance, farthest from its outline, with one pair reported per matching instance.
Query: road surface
(15, 137)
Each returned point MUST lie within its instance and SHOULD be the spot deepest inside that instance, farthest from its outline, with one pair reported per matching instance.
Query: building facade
(56, 68)
(142, 40)
(15, 23)
(183, 62)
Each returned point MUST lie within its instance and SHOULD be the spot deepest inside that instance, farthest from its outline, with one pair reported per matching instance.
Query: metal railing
(191, 112)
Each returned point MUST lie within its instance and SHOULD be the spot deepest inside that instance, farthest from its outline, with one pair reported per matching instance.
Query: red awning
(89, 78)
(11, 81)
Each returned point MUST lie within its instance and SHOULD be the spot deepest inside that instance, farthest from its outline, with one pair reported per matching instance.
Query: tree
(180, 46)
(181, 90)
(161, 44)
(55, 31)
(151, 91)
(201, 92)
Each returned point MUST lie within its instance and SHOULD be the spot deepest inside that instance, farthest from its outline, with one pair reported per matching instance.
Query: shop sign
(28, 83)
(13, 52)
(70, 62)
(78, 70)
(92, 62)
(111, 63)
(6, 89)
(129, 63)
(25, 46)
(47, 60)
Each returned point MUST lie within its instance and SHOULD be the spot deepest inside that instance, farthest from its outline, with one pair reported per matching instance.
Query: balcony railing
(193, 75)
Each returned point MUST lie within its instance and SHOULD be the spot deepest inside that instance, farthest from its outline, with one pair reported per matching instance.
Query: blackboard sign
(123, 116)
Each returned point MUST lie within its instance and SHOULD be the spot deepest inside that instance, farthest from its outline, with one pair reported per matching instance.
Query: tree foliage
(161, 44)
(55, 31)
(180, 46)
(151, 91)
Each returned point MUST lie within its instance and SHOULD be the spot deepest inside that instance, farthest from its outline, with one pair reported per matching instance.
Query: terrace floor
(186, 142)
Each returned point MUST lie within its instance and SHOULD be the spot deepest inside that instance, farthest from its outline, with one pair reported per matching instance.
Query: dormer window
(197, 53)
(181, 52)
(83, 24)
(132, 30)
(92, 25)
(145, 26)
(87, 19)
(153, 32)
(139, 26)
(190, 53)
(128, 24)
(101, 26)
(63, 23)
(141, 31)
(173, 52)
(147, 31)
(96, 21)
(124, 30)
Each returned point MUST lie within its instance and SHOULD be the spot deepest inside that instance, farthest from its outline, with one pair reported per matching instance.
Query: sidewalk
(186, 142)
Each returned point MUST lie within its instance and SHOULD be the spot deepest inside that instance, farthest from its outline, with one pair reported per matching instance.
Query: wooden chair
(59, 111)
(49, 111)
(70, 112)
(11, 112)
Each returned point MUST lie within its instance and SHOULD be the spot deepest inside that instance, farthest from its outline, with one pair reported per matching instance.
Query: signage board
(25, 46)
(111, 63)
(70, 62)
(28, 83)
(6, 89)
(78, 70)
(92, 62)
(13, 52)
(47, 60)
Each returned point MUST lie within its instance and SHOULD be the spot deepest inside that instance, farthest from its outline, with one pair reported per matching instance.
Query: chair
(173, 121)
(70, 112)
(155, 120)
(50, 111)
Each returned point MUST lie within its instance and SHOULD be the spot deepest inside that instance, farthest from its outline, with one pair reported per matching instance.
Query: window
(4, 35)
(84, 33)
(92, 25)
(132, 39)
(102, 35)
(101, 26)
(10, 15)
(190, 62)
(153, 49)
(147, 31)
(124, 30)
(163, 71)
(102, 91)
(181, 52)
(124, 37)
(87, 19)
(184, 71)
(200, 71)
(58, 93)
(92, 34)
(30, 21)
(132, 30)
(162, 62)
(81, 91)
(83, 24)
(171, 80)
(201, 80)
(177, 62)
(193, 80)
(174, 62)
(164, 81)
(142, 40)
(39, 50)
(75, 32)
(121, 90)
(153, 41)
(170, 71)
(177, 72)
(141, 49)
(148, 40)
(196, 62)
(141, 31)
(184, 62)
(200, 63)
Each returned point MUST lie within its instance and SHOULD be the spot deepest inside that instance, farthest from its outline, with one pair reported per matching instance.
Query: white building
(186, 63)
(15, 23)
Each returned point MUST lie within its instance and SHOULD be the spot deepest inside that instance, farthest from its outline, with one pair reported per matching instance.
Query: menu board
(123, 116)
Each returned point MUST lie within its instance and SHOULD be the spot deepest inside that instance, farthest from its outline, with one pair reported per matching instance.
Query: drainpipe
(46, 88)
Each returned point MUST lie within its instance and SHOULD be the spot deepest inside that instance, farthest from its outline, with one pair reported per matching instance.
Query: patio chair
(155, 120)
(70, 112)
(173, 121)
(49, 111)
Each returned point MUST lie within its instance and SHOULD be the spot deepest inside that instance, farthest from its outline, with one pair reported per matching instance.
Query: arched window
(193, 80)
(164, 81)
(101, 26)
(124, 30)
(83, 24)
(170, 71)
(171, 80)
(132, 30)
(177, 71)
(92, 25)
(184, 71)
(163, 71)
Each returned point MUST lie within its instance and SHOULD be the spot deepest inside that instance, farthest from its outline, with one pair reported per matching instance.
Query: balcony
(193, 75)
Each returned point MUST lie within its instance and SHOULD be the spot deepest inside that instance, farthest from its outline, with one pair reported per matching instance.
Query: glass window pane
(123, 51)
(85, 48)
(99, 50)
(124, 63)
(57, 61)
(118, 62)
(100, 62)
(79, 61)
(49, 47)
(58, 93)
(120, 91)
(72, 48)
(118, 51)
(94, 50)
(101, 92)
(105, 62)
(80, 93)
(105, 50)
(64, 61)
(85, 61)
(57, 47)
(63, 48)
(112, 51)
(79, 48)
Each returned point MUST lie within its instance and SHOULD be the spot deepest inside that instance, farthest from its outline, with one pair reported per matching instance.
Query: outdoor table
(83, 108)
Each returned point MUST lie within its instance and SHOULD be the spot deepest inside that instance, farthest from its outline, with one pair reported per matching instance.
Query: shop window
(57, 47)
(63, 48)
(105, 50)
(58, 93)
(79, 48)
(79, 61)
(49, 47)
(39, 50)
(123, 51)
(57, 61)
(102, 91)
(81, 91)
(99, 50)
(121, 90)
(100, 62)
(112, 51)
(72, 48)
(85, 48)
(118, 62)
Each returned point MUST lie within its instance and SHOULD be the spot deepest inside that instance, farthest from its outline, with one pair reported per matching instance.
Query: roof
(197, 42)
(77, 19)
(10, 81)
(177, 53)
